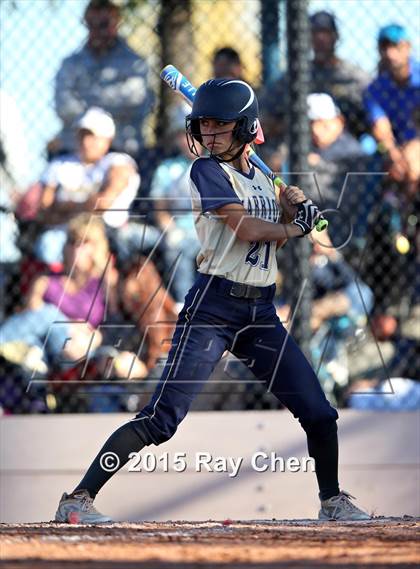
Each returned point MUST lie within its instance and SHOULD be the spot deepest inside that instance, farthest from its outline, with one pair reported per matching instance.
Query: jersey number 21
(254, 254)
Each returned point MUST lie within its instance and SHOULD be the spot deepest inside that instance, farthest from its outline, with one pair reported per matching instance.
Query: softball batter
(240, 223)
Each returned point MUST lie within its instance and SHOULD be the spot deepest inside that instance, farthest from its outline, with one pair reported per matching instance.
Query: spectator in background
(393, 102)
(334, 153)
(104, 73)
(393, 98)
(392, 267)
(227, 63)
(340, 79)
(92, 177)
(150, 306)
(330, 137)
(171, 192)
(340, 306)
(76, 294)
(58, 329)
(13, 177)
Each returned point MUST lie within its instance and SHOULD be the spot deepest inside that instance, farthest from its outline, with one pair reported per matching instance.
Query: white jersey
(76, 181)
(213, 185)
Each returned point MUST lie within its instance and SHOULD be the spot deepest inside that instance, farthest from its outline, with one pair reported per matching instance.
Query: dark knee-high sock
(122, 442)
(324, 450)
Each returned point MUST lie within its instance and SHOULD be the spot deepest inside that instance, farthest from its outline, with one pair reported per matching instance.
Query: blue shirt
(385, 98)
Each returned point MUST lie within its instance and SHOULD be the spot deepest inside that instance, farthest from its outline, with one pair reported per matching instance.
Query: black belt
(241, 290)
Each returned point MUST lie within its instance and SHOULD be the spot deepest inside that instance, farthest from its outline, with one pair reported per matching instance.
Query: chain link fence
(96, 260)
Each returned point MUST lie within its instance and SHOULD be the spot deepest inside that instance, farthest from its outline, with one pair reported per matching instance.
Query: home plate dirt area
(262, 544)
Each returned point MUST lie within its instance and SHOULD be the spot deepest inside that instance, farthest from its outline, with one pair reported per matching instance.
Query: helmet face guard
(193, 133)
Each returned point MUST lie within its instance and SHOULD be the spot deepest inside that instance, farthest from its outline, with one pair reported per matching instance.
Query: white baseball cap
(321, 107)
(98, 121)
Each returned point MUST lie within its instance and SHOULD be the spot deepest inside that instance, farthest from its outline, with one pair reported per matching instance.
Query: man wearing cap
(393, 98)
(331, 140)
(344, 81)
(334, 152)
(393, 102)
(105, 73)
(341, 79)
(77, 182)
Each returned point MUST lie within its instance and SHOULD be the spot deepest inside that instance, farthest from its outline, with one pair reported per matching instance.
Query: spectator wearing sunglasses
(104, 73)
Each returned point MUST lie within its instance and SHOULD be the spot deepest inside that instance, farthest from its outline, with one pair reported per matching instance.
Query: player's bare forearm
(259, 230)
(249, 228)
(284, 219)
(288, 197)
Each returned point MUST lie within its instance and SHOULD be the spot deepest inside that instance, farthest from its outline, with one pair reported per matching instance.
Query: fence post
(298, 73)
(270, 10)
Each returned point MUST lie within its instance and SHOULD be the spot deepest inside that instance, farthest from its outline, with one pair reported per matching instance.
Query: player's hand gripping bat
(179, 83)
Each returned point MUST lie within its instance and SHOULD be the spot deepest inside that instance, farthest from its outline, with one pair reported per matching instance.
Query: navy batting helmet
(225, 100)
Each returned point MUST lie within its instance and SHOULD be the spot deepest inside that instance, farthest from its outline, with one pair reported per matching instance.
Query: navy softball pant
(211, 322)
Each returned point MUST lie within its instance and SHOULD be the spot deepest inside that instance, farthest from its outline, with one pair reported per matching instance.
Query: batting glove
(306, 216)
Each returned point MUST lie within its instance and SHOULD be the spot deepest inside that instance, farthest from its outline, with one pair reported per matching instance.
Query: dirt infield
(383, 542)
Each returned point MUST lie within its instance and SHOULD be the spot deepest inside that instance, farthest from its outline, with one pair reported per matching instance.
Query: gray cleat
(342, 509)
(78, 508)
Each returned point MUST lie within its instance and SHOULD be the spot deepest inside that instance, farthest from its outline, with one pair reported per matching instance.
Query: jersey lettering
(263, 208)
(256, 206)
(276, 211)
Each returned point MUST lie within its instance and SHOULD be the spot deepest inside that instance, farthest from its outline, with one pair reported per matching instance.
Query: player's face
(217, 136)
(92, 147)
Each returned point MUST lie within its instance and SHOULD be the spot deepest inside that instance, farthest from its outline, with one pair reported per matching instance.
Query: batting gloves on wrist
(306, 216)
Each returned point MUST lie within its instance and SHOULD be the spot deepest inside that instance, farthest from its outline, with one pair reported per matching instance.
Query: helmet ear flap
(245, 132)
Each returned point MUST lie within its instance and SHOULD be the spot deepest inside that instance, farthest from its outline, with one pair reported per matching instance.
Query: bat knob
(322, 224)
